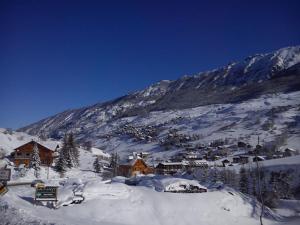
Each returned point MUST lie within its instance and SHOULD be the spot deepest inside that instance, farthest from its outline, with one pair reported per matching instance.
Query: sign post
(46, 193)
(5, 175)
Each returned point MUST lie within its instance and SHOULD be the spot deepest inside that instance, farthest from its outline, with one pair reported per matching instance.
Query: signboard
(3, 189)
(5, 175)
(48, 193)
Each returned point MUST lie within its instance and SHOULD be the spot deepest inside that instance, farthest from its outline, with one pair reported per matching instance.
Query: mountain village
(140, 159)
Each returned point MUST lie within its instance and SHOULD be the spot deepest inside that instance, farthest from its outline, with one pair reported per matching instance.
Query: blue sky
(56, 55)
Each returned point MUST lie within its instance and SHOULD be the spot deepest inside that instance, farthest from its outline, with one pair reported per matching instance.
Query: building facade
(22, 154)
(135, 167)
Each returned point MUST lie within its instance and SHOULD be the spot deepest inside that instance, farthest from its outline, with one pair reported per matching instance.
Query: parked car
(133, 181)
(35, 183)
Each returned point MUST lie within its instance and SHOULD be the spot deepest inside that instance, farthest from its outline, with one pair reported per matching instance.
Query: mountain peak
(236, 82)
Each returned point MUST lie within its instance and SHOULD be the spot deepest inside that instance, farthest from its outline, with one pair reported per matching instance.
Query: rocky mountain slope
(214, 97)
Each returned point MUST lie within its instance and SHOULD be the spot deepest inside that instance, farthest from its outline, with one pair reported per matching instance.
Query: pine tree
(287, 181)
(35, 160)
(232, 178)
(271, 197)
(88, 145)
(74, 152)
(60, 165)
(204, 175)
(114, 163)
(97, 166)
(213, 173)
(254, 175)
(223, 176)
(66, 153)
(244, 181)
(283, 183)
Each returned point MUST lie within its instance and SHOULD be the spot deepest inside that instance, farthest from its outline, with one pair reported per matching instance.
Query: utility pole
(48, 165)
(115, 163)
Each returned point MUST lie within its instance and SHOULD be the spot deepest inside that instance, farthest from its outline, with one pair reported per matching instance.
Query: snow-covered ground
(117, 203)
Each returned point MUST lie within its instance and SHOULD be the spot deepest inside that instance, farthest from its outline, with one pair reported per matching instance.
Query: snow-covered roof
(241, 156)
(97, 151)
(50, 146)
(173, 163)
(290, 149)
(145, 153)
(260, 157)
(133, 161)
(196, 162)
(200, 161)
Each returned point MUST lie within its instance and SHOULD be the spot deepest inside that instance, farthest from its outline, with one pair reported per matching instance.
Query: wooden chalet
(22, 154)
(135, 167)
(170, 168)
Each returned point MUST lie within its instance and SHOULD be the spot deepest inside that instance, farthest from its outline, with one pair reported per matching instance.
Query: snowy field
(117, 203)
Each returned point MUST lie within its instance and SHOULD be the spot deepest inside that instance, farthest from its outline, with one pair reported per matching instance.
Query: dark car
(133, 181)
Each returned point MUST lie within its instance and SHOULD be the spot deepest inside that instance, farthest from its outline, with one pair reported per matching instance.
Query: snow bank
(90, 190)
(118, 203)
(65, 195)
(97, 189)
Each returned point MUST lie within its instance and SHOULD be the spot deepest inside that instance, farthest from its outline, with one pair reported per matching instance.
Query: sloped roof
(173, 163)
(132, 162)
(32, 142)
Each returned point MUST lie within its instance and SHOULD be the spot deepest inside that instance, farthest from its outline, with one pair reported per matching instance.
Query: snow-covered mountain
(217, 99)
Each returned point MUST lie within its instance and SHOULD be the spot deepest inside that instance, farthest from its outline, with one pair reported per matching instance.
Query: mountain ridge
(250, 78)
